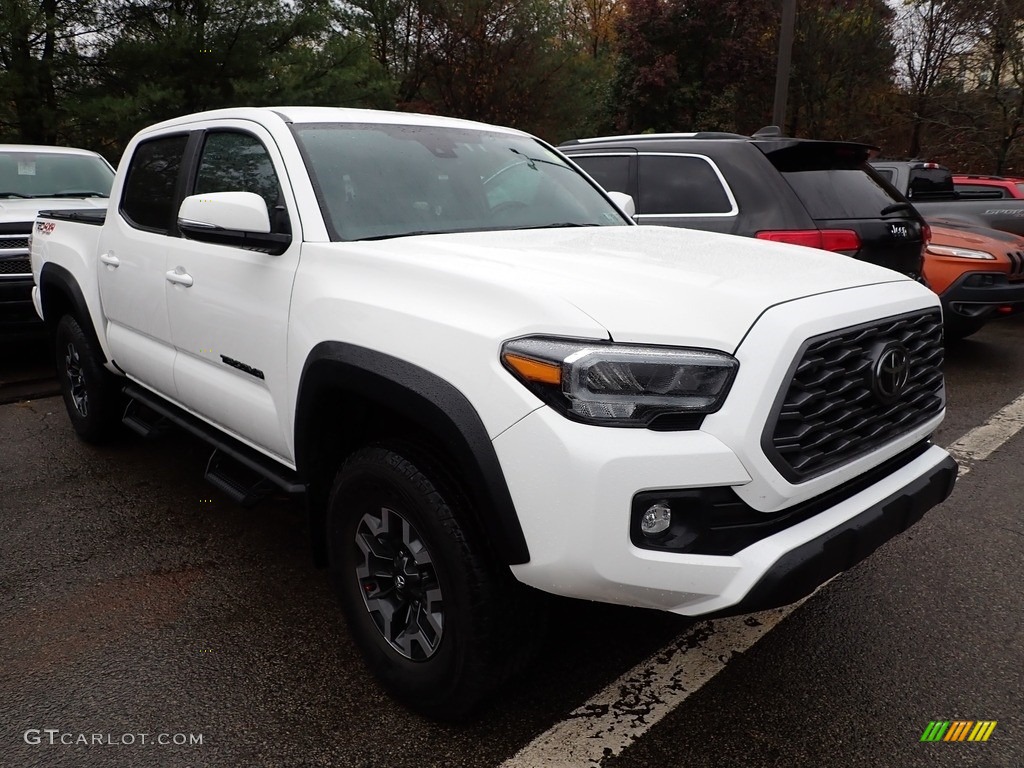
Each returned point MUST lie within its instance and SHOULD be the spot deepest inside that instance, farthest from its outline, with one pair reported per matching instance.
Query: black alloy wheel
(399, 584)
(90, 392)
(76, 380)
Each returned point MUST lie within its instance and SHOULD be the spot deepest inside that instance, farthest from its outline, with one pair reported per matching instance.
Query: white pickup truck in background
(33, 178)
(482, 375)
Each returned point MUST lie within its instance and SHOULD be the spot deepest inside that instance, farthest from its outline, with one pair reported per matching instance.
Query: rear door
(841, 192)
(132, 251)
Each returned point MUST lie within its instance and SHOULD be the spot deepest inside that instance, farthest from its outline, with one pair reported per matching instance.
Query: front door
(228, 306)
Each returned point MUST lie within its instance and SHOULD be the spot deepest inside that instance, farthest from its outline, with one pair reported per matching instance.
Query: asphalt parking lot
(136, 601)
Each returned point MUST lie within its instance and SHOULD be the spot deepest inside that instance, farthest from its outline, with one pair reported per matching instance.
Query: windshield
(381, 181)
(45, 174)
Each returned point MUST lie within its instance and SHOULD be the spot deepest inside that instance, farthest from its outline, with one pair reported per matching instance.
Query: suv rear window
(833, 182)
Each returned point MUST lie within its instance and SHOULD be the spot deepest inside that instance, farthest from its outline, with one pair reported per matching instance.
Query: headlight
(621, 384)
(960, 253)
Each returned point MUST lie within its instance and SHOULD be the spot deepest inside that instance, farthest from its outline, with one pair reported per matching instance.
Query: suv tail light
(826, 239)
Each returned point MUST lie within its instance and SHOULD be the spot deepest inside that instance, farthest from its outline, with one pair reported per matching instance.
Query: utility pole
(782, 71)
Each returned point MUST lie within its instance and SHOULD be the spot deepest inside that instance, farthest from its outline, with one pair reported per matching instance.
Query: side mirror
(237, 219)
(625, 203)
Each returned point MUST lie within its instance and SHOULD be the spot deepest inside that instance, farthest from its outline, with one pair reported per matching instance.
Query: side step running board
(244, 474)
(144, 421)
(236, 480)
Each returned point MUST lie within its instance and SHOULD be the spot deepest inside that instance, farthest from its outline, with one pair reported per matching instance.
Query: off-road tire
(91, 393)
(484, 616)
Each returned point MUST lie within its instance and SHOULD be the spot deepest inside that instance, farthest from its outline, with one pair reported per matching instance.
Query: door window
(149, 197)
(238, 162)
(681, 185)
(610, 171)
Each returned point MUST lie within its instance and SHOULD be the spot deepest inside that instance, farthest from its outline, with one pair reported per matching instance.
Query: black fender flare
(429, 402)
(56, 278)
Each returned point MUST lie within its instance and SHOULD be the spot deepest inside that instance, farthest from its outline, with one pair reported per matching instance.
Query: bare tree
(1002, 75)
(933, 39)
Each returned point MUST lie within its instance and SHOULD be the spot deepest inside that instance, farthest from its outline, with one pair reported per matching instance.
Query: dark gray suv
(817, 193)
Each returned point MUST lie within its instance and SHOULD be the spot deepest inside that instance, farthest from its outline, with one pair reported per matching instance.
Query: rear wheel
(438, 623)
(90, 391)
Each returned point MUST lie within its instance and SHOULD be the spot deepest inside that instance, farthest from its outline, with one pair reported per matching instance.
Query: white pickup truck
(35, 178)
(483, 375)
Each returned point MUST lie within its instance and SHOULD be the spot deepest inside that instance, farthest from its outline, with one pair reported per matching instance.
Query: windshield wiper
(398, 234)
(529, 161)
(75, 193)
(16, 194)
(558, 225)
(896, 207)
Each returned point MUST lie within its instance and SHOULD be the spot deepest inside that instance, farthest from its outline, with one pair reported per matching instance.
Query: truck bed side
(64, 266)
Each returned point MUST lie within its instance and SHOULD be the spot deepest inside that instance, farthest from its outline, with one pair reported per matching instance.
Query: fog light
(657, 518)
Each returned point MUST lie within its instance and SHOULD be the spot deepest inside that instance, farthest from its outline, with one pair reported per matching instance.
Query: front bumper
(979, 294)
(573, 486)
(801, 570)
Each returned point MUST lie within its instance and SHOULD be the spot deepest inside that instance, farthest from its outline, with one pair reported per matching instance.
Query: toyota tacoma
(483, 377)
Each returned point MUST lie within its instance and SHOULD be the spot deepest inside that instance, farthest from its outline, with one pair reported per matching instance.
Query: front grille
(19, 242)
(17, 266)
(1016, 264)
(830, 414)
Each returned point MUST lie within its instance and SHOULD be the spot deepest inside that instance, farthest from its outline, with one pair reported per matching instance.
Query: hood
(17, 209)
(954, 232)
(642, 284)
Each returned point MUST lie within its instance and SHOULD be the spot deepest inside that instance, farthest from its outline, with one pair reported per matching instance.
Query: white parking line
(621, 713)
(981, 441)
(624, 711)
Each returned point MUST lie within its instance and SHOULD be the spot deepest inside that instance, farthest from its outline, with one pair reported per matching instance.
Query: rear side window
(237, 162)
(681, 185)
(610, 171)
(149, 197)
(834, 182)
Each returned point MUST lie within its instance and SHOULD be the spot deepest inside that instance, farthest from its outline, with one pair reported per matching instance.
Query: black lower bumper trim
(801, 571)
(1001, 292)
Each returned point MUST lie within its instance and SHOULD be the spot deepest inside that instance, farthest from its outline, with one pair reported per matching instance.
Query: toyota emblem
(890, 373)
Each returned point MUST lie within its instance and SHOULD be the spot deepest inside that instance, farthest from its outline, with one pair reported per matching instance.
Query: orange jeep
(977, 272)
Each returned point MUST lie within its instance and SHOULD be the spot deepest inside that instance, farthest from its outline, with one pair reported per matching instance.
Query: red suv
(995, 187)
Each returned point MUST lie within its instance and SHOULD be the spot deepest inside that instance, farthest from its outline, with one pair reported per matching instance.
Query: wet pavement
(136, 601)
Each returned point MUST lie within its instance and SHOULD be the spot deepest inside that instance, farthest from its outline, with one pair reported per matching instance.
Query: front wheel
(436, 620)
(89, 390)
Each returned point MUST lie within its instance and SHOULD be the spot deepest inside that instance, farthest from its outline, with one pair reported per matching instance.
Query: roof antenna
(768, 132)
